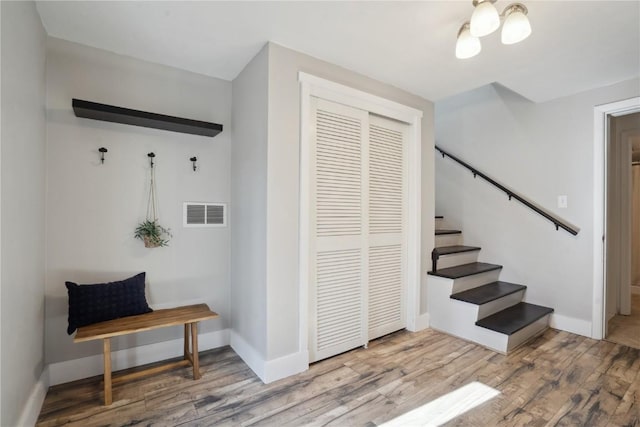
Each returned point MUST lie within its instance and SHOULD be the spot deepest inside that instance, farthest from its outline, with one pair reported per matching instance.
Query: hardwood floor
(626, 329)
(559, 379)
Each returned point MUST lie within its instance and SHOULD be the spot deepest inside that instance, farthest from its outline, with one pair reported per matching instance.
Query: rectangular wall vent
(197, 214)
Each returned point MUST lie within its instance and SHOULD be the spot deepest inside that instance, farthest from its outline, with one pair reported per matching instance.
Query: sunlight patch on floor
(445, 408)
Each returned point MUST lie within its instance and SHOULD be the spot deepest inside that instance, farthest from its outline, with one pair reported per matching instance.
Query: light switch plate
(562, 201)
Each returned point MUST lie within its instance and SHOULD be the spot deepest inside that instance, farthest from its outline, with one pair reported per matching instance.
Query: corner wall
(283, 187)
(248, 213)
(542, 151)
(22, 211)
(93, 208)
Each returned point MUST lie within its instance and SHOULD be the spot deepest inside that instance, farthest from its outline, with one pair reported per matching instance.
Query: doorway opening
(602, 115)
(622, 305)
(605, 214)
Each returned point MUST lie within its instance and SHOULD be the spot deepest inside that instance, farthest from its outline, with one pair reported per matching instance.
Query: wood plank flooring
(559, 379)
(626, 329)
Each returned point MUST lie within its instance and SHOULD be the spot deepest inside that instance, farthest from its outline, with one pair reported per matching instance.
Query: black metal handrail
(555, 220)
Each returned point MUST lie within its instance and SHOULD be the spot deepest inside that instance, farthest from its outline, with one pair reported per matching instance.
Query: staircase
(466, 299)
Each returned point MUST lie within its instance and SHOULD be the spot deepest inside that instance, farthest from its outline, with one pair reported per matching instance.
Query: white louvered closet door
(338, 253)
(387, 177)
(357, 239)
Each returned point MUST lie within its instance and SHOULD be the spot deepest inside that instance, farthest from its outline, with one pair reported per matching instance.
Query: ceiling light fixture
(467, 45)
(516, 25)
(485, 20)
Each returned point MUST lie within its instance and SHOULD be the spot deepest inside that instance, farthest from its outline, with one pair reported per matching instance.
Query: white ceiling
(575, 45)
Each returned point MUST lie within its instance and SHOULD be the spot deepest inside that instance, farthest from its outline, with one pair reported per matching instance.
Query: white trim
(422, 322)
(71, 370)
(248, 354)
(332, 91)
(414, 224)
(33, 405)
(635, 289)
(269, 370)
(570, 324)
(303, 221)
(599, 186)
(285, 366)
(315, 86)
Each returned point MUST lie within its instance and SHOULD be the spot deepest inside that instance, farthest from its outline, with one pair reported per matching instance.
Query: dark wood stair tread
(514, 318)
(441, 232)
(455, 249)
(465, 270)
(487, 293)
(439, 217)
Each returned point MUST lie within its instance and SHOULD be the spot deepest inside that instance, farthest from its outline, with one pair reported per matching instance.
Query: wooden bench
(189, 316)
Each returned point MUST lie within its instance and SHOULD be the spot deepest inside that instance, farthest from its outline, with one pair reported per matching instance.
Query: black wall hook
(102, 150)
(194, 159)
(151, 156)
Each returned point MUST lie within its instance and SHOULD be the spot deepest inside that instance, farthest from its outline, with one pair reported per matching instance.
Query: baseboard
(635, 289)
(269, 370)
(570, 324)
(71, 370)
(33, 405)
(285, 366)
(422, 322)
(248, 354)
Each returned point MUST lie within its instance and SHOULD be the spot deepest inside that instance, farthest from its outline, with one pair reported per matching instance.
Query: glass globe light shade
(516, 26)
(485, 19)
(467, 45)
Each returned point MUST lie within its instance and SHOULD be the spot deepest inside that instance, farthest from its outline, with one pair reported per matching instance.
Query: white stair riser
(440, 224)
(473, 281)
(488, 339)
(459, 258)
(486, 310)
(448, 240)
(458, 318)
(528, 332)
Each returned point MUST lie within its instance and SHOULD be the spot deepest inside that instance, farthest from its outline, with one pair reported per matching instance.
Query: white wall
(23, 208)
(92, 209)
(248, 213)
(283, 183)
(542, 151)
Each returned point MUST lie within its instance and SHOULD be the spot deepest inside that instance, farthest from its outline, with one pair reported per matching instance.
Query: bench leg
(186, 341)
(106, 348)
(194, 349)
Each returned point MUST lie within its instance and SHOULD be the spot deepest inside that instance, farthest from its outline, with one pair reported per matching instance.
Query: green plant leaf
(153, 232)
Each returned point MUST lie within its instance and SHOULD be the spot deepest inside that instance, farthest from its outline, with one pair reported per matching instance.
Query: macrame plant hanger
(152, 210)
(150, 232)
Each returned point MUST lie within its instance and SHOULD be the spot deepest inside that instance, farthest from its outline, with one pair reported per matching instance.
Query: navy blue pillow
(105, 301)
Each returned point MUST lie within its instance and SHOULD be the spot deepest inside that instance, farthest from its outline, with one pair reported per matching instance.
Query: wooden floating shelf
(127, 116)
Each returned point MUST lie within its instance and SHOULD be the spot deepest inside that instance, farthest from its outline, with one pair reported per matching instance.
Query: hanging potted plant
(152, 234)
(150, 231)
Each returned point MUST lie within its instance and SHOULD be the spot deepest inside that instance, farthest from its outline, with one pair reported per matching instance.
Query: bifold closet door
(337, 248)
(387, 177)
(357, 253)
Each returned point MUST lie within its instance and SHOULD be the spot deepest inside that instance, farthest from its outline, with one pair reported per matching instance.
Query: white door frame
(311, 85)
(601, 135)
